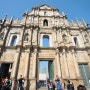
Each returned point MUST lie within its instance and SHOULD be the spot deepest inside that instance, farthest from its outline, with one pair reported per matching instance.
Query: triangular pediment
(45, 6)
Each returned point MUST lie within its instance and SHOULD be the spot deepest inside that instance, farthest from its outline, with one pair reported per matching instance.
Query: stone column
(21, 36)
(68, 34)
(58, 63)
(27, 68)
(55, 34)
(6, 35)
(60, 36)
(54, 38)
(66, 63)
(30, 33)
(69, 38)
(34, 63)
(33, 81)
(35, 36)
(76, 65)
(37, 30)
(15, 67)
(83, 34)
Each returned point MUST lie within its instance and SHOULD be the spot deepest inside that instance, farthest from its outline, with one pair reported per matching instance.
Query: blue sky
(73, 8)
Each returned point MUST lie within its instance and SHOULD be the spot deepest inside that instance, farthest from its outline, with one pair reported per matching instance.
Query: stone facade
(21, 46)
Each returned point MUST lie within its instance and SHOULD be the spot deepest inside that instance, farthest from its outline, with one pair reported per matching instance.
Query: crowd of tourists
(6, 83)
(58, 84)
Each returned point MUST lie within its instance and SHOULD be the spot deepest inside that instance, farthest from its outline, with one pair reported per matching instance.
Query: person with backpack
(58, 84)
(70, 86)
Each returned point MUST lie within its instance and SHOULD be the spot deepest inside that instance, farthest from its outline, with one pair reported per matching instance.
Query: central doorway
(46, 72)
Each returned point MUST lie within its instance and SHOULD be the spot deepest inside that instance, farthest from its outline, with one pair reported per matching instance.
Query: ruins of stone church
(44, 34)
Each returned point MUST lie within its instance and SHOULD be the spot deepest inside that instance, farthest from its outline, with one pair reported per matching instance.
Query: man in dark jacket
(70, 86)
(20, 82)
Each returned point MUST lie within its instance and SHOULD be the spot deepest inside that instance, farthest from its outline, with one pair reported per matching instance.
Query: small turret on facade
(64, 15)
(25, 14)
(85, 24)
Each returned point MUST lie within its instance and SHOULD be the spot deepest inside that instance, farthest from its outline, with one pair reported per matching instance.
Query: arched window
(13, 41)
(64, 38)
(45, 41)
(26, 37)
(45, 22)
(76, 41)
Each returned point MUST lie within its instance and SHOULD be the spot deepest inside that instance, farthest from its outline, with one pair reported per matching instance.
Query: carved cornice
(2, 61)
(33, 26)
(46, 48)
(75, 48)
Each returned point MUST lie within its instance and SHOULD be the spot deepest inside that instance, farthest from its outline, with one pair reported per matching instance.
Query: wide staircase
(47, 89)
(44, 88)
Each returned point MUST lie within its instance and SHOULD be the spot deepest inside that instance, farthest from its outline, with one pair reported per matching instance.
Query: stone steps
(43, 88)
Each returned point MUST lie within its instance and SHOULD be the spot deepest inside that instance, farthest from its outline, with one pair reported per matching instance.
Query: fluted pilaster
(76, 64)
(34, 63)
(66, 63)
(58, 63)
(26, 69)
(15, 68)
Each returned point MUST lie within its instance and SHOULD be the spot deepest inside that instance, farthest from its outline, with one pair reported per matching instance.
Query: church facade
(23, 47)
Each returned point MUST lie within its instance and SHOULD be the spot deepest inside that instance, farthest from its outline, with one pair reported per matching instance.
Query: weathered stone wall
(63, 50)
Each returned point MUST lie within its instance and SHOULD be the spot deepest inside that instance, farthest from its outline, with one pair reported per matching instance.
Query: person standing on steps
(20, 82)
(70, 86)
(58, 84)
